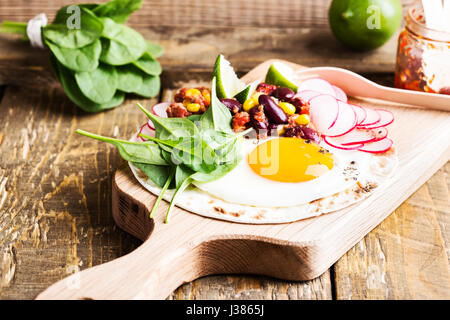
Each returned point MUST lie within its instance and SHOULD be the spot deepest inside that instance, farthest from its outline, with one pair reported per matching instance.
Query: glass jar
(423, 55)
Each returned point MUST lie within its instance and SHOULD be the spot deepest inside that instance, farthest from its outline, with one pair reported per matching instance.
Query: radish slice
(372, 117)
(160, 109)
(335, 144)
(379, 146)
(386, 118)
(318, 85)
(361, 113)
(359, 136)
(346, 121)
(324, 110)
(307, 95)
(147, 129)
(340, 94)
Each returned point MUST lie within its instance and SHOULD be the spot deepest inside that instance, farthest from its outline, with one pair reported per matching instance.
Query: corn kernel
(255, 96)
(302, 119)
(288, 108)
(193, 107)
(193, 92)
(248, 104)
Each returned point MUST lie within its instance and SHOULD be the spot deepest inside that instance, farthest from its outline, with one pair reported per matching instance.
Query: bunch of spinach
(96, 57)
(183, 150)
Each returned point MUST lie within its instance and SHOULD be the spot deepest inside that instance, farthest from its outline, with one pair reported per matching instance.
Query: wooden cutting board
(192, 246)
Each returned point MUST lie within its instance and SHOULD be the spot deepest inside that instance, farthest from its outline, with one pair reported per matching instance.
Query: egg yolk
(290, 160)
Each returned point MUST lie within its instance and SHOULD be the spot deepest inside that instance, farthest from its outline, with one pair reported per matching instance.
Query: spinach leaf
(74, 93)
(82, 59)
(99, 85)
(142, 152)
(161, 194)
(150, 87)
(220, 171)
(121, 44)
(155, 50)
(63, 34)
(217, 116)
(194, 117)
(183, 182)
(129, 78)
(149, 65)
(157, 173)
(195, 154)
(118, 10)
(181, 174)
(171, 128)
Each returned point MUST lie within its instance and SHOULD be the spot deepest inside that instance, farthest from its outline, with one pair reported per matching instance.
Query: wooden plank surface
(296, 31)
(54, 188)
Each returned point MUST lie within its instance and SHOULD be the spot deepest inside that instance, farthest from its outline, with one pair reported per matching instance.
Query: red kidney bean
(310, 134)
(234, 105)
(272, 110)
(298, 104)
(258, 118)
(284, 94)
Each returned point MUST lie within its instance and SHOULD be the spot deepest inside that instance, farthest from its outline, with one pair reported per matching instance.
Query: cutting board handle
(152, 271)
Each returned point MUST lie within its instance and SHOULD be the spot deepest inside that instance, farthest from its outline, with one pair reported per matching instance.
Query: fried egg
(283, 172)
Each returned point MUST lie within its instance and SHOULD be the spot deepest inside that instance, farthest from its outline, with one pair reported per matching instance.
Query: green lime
(247, 92)
(227, 82)
(365, 24)
(281, 75)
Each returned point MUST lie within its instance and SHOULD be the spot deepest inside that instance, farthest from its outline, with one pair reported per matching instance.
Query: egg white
(243, 186)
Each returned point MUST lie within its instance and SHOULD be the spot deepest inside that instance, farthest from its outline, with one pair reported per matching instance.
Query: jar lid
(415, 22)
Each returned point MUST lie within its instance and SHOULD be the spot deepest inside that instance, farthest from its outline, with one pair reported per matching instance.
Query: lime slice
(281, 75)
(247, 92)
(227, 82)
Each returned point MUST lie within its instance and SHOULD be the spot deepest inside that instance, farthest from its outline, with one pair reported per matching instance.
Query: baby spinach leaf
(82, 59)
(121, 44)
(118, 10)
(183, 182)
(150, 87)
(129, 78)
(149, 65)
(155, 50)
(90, 28)
(219, 172)
(181, 174)
(142, 152)
(162, 192)
(157, 173)
(74, 93)
(99, 85)
(194, 117)
(217, 116)
(171, 128)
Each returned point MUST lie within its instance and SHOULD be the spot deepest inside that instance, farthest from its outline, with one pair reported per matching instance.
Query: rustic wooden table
(55, 187)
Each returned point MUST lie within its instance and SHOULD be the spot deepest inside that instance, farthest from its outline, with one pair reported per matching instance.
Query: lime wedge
(227, 82)
(281, 75)
(247, 92)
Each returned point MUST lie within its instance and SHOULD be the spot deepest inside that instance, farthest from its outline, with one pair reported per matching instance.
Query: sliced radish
(340, 94)
(372, 117)
(318, 85)
(361, 113)
(160, 109)
(345, 122)
(307, 95)
(379, 146)
(334, 143)
(324, 110)
(358, 136)
(147, 129)
(386, 118)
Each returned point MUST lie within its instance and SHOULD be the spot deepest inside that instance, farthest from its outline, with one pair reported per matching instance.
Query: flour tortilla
(199, 202)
